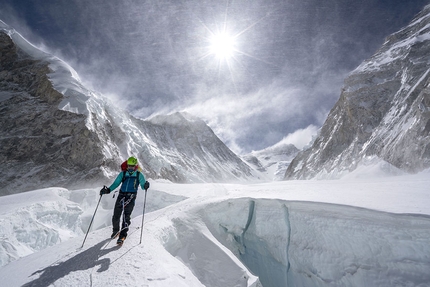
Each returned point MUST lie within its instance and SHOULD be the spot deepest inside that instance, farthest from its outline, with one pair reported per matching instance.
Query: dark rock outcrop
(39, 141)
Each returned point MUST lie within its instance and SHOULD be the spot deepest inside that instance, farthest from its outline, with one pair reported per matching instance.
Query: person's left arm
(142, 180)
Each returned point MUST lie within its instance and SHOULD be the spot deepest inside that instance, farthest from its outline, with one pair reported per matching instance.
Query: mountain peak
(382, 114)
(57, 132)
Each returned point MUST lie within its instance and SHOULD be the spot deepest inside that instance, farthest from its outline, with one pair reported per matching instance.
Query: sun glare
(222, 45)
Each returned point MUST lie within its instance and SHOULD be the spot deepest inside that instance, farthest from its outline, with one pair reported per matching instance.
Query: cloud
(301, 137)
(263, 117)
(148, 56)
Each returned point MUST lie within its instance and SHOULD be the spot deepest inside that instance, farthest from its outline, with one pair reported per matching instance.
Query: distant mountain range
(55, 132)
(272, 162)
(383, 114)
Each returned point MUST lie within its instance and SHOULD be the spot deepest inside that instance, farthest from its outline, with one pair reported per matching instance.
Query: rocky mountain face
(38, 140)
(55, 132)
(183, 148)
(383, 113)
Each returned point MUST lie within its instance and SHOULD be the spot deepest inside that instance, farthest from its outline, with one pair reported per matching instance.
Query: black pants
(124, 203)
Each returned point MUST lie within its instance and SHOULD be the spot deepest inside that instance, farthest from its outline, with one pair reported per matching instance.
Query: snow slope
(355, 232)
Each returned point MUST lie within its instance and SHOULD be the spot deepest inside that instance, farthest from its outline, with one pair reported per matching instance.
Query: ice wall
(315, 244)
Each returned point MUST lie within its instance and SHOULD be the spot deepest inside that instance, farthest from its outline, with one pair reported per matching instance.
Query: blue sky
(281, 70)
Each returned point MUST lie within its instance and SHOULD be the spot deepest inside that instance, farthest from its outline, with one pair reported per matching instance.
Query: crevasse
(317, 244)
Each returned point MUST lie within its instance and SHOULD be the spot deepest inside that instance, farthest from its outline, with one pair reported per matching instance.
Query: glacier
(355, 232)
(368, 229)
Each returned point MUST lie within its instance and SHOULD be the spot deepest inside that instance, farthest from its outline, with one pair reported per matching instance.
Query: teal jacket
(130, 183)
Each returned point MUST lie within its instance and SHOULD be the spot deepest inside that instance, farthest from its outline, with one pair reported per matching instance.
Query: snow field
(373, 232)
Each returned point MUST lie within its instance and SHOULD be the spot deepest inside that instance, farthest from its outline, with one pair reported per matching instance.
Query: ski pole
(143, 217)
(92, 220)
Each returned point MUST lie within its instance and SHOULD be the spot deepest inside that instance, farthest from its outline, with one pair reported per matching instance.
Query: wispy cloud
(153, 56)
(301, 137)
(267, 115)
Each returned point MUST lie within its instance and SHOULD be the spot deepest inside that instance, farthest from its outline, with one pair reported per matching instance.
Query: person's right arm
(116, 183)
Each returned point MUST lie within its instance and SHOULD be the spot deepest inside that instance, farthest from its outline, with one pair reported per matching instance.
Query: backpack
(135, 181)
(124, 166)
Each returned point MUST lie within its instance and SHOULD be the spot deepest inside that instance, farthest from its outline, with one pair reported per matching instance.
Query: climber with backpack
(130, 179)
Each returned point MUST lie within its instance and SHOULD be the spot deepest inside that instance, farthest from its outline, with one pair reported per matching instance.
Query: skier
(130, 179)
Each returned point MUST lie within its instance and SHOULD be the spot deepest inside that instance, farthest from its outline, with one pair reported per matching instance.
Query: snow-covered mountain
(56, 132)
(272, 162)
(367, 232)
(383, 114)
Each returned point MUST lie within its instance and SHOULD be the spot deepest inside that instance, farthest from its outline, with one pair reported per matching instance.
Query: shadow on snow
(82, 261)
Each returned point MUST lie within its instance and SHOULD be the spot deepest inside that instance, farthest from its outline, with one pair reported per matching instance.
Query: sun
(222, 45)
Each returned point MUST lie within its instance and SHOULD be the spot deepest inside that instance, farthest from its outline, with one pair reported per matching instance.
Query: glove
(146, 185)
(104, 190)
